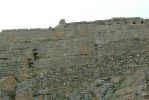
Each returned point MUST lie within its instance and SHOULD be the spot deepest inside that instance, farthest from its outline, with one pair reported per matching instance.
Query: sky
(18, 14)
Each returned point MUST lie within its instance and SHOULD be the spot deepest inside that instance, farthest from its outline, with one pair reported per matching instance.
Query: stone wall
(71, 55)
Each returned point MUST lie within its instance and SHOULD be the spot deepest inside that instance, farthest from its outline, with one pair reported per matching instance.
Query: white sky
(16, 14)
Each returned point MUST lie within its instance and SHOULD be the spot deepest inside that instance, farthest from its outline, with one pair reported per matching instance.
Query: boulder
(8, 83)
(42, 91)
(24, 86)
(5, 98)
(101, 89)
(145, 95)
(126, 90)
(24, 95)
(40, 97)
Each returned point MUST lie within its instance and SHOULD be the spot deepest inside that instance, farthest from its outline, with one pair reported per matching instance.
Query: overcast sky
(16, 14)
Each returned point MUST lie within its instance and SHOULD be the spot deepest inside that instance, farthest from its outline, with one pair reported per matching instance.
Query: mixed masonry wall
(49, 56)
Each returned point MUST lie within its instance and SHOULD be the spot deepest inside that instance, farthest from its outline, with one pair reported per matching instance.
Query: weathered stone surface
(40, 97)
(24, 95)
(117, 79)
(133, 87)
(145, 95)
(127, 90)
(8, 83)
(101, 89)
(42, 91)
(5, 98)
(24, 85)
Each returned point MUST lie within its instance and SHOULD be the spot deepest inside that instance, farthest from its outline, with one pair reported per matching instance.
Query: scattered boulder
(145, 95)
(40, 97)
(24, 95)
(8, 83)
(116, 80)
(24, 86)
(127, 97)
(77, 95)
(126, 90)
(5, 98)
(24, 91)
(55, 96)
(134, 86)
(42, 91)
(101, 89)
